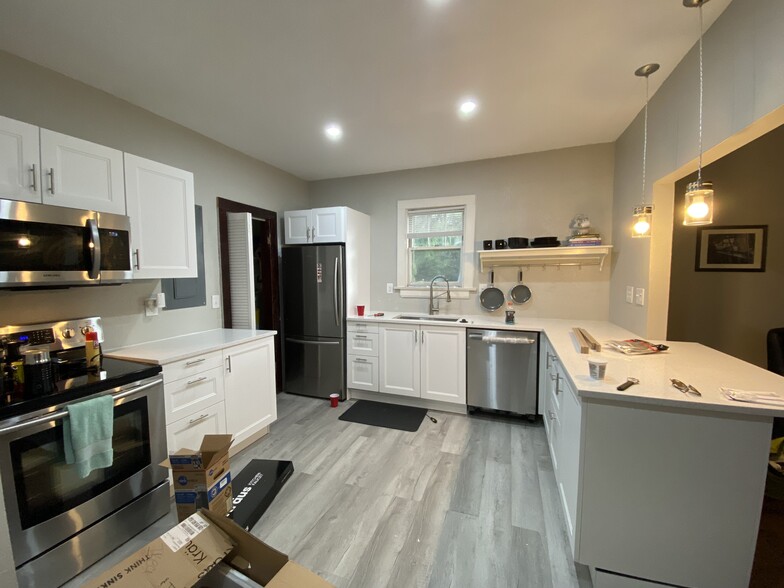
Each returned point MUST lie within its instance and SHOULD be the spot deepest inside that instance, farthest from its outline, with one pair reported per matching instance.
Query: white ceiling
(265, 76)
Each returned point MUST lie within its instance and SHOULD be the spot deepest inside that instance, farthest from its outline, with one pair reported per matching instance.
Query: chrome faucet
(434, 299)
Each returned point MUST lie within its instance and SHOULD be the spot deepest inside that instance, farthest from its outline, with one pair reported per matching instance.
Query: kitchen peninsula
(655, 484)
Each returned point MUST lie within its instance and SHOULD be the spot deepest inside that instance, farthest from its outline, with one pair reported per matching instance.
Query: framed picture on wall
(732, 249)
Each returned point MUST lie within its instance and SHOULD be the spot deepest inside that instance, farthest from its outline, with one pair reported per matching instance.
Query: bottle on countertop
(92, 351)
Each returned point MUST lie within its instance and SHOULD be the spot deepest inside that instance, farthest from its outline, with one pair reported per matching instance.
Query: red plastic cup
(333, 400)
(360, 311)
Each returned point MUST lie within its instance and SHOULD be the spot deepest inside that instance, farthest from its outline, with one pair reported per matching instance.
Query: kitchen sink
(443, 319)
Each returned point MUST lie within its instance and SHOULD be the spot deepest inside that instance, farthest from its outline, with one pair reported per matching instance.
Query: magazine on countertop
(636, 347)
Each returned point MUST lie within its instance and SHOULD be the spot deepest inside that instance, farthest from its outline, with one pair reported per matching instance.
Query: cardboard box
(202, 478)
(183, 555)
(255, 487)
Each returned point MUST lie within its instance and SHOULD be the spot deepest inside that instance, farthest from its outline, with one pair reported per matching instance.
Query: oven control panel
(53, 336)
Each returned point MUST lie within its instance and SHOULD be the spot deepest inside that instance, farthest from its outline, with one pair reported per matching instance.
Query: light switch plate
(390, 288)
(630, 294)
(639, 296)
(216, 300)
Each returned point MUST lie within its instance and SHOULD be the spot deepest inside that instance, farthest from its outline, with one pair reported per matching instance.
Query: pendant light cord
(699, 168)
(645, 143)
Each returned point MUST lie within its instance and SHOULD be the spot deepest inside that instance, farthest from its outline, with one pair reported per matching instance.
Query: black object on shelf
(487, 244)
(500, 244)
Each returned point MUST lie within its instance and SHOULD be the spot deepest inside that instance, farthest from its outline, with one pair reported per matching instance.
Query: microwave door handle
(95, 251)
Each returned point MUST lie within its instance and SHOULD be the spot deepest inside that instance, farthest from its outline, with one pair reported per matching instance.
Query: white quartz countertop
(173, 349)
(704, 368)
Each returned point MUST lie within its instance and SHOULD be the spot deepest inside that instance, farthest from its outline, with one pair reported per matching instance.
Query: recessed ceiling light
(333, 131)
(468, 107)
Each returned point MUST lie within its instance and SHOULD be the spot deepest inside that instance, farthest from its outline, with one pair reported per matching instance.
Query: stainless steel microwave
(43, 245)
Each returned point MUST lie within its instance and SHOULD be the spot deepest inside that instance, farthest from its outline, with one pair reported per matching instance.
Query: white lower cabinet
(423, 362)
(218, 392)
(188, 432)
(250, 388)
(399, 360)
(363, 373)
(562, 418)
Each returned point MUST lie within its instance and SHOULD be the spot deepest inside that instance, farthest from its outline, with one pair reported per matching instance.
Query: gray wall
(42, 97)
(524, 195)
(744, 80)
(733, 311)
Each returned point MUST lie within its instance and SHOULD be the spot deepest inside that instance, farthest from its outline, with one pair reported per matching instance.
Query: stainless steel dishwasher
(502, 370)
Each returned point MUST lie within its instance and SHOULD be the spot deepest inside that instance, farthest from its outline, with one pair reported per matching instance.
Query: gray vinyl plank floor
(468, 501)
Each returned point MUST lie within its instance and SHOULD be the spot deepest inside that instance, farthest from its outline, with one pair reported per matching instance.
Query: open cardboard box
(182, 556)
(202, 477)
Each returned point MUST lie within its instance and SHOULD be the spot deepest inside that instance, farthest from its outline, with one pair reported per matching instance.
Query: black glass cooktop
(73, 381)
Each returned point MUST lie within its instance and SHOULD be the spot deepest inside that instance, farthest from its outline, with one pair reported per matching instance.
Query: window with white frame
(435, 238)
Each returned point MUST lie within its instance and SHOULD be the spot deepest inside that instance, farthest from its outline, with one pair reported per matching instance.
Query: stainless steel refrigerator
(314, 312)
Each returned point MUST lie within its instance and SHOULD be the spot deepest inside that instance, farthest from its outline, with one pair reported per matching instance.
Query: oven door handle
(61, 414)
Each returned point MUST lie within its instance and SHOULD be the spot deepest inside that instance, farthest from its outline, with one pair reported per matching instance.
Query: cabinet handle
(415, 336)
(360, 359)
(197, 380)
(360, 336)
(307, 233)
(557, 383)
(136, 255)
(195, 361)
(228, 363)
(197, 419)
(50, 173)
(423, 337)
(548, 360)
(34, 185)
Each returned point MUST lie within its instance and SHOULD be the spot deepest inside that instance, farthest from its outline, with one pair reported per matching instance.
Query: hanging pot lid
(491, 298)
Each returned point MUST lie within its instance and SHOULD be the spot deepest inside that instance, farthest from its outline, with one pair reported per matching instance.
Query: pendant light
(643, 214)
(698, 206)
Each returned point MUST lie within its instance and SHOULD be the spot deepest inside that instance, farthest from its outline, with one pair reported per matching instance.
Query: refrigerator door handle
(338, 291)
(312, 342)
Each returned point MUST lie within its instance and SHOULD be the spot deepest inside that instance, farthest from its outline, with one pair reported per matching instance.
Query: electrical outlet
(639, 296)
(630, 294)
(216, 300)
(482, 287)
(151, 307)
(390, 288)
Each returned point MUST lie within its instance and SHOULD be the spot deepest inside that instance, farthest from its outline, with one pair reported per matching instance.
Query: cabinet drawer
(359, 327)
(188, 431)
(363, 344)
(186, 368)
(194, 393)
(363, 373)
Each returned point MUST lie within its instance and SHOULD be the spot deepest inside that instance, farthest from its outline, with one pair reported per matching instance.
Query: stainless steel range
(60, 523)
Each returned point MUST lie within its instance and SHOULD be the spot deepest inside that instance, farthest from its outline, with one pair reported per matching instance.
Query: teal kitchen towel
(87, 434)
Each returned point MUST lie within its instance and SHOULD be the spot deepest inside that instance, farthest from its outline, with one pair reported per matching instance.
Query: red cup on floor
(333, 400)
(360, 311)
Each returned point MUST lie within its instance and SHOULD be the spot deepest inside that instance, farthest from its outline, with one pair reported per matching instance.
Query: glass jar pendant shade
(642, 217)
(698, 202)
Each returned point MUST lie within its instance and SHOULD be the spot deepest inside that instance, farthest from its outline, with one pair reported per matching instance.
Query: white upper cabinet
(318, 225)
(20, 170)
(297, 225)
(80, 174)
(163, 219)
(329, 225)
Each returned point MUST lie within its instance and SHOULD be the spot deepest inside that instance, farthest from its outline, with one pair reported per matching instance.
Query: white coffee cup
(597, 368)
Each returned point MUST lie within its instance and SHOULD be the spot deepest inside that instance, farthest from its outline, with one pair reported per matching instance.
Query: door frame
(270, 291)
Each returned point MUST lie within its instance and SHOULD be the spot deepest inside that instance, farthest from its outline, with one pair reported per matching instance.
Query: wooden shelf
(544, 256)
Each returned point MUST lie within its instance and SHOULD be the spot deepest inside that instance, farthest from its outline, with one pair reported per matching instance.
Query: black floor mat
(380, 414)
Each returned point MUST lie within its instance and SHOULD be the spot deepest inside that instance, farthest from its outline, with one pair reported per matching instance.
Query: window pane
(442, 221)
(427, 264)
(447, 241)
